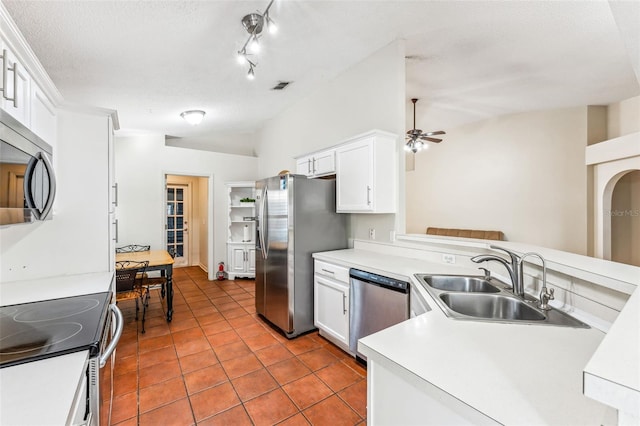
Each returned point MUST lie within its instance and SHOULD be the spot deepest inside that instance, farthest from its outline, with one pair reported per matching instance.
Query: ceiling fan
(415, 137)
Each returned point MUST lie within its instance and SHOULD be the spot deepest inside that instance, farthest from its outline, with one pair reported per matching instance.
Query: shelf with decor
(241, 229)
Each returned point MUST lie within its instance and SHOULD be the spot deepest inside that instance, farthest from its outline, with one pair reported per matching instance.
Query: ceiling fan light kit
(416, 136)
(254, 23)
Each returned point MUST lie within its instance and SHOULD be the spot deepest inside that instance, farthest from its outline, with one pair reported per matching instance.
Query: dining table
(159, 260)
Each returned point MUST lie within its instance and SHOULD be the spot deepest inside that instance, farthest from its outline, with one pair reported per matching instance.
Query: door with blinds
(177, 226)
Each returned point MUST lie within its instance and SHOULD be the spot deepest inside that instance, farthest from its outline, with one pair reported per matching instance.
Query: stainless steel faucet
(545, 295)
(512, 267)
(516, 271)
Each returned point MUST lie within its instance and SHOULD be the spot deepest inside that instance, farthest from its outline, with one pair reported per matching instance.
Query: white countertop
(618, 383)
(42, 392)
(14, 292)
(515, 374)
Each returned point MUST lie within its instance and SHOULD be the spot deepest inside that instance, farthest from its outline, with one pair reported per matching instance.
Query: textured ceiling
(467, 61)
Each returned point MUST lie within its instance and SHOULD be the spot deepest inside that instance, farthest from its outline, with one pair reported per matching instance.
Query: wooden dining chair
(130, 286)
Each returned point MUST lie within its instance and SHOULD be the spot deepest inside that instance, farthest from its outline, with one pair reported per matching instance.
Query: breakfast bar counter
(476, 372)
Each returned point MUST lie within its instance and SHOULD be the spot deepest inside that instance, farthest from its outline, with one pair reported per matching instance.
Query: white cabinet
(16, 92)
(241, 252)
(44, 118)
(241, 260)
(23, 98)
(113, 191)
(331, 302)
(366, 174)
(316, 165)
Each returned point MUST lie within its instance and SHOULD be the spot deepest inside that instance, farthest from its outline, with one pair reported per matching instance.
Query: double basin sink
(487, 299)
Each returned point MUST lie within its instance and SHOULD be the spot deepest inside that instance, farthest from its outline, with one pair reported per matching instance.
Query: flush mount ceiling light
(254, 23)
(193, 117)
(416, 136)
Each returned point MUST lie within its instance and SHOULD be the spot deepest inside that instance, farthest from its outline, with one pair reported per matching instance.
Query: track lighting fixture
(254, 46)
(251, 74)
(254, 24)
(273, 28)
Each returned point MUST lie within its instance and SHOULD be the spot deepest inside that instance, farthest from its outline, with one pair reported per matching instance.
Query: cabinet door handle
(344, 304)
(308, 166)
(15, 85)
(5, 72)
(328, 271)
(115, 238)
(368, 195)
(314, 165)
(115, 194)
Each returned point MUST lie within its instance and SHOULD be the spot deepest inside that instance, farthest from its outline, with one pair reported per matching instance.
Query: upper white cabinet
(43, 114)
(366, 174)
(318, 164)
(27, 93)
(16, 91)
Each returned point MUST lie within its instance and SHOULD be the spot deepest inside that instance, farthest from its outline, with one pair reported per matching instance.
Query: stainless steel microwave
(27, 179)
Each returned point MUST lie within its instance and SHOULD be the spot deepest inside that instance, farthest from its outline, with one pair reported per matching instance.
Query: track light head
(254, 45)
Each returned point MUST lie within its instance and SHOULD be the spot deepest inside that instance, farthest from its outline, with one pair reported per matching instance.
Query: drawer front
(338, 273)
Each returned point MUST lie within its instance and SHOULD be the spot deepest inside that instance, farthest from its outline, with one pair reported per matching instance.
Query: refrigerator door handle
(262, 224)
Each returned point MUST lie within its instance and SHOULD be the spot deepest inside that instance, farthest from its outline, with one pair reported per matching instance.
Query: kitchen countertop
(618, 383)
(14, 292)
(42, 392)
(515, 374)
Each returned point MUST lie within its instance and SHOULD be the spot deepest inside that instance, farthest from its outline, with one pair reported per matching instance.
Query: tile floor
(217, 363)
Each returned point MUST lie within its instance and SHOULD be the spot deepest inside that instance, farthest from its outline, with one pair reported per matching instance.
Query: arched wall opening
(625, 219)
(616, 208)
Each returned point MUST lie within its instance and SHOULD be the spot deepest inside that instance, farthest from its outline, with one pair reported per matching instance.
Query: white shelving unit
(241, 233)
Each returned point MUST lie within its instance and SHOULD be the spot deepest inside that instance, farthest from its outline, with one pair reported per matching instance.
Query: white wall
(523, 174)
(623, 117)
(368, 96)
(76, 240)
(141, 164)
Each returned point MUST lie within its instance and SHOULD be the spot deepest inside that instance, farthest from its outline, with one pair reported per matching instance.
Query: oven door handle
(116, 335)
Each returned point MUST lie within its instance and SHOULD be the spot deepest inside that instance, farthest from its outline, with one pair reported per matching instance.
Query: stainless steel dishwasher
(376, 302)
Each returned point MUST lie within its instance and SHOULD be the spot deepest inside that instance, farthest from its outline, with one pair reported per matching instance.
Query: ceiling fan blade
(439, 132)
(426, 138)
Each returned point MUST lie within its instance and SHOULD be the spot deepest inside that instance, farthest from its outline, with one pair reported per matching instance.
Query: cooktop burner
(37, 330)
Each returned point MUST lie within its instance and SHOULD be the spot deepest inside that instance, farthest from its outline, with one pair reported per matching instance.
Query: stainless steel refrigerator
(296, 217)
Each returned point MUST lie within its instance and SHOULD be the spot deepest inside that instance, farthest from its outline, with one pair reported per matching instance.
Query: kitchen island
(432, 369)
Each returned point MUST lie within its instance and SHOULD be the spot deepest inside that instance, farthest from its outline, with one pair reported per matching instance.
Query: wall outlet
(372, 233)
(448, 258)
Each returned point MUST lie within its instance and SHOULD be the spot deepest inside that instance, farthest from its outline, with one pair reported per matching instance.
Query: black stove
(38, 330)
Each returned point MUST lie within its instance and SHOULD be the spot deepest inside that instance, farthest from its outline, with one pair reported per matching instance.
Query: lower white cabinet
(331, 302)
(242, 260)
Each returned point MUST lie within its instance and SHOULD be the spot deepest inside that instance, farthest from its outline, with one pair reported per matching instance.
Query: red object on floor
(221, 273)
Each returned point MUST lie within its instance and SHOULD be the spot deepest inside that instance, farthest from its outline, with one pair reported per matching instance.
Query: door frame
(211, 270)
